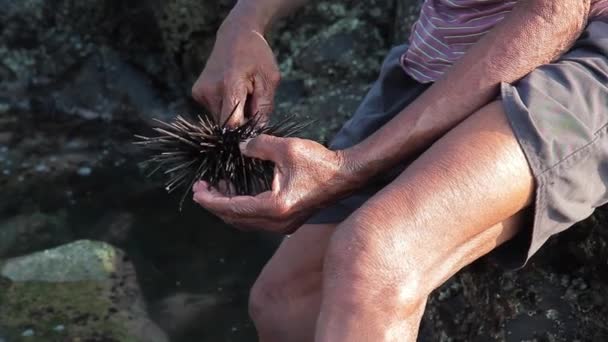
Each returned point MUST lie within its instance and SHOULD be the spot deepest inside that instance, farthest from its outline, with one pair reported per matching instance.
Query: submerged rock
(28, 233)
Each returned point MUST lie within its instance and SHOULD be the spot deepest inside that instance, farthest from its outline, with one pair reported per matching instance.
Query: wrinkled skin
(241, 73)
(307, 176)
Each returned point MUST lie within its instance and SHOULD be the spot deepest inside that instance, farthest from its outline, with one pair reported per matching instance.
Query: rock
(328, 109)
(407, 13)
(114, 228)
(78, 261)
(350, 48)
(28, 233)
(6, 138)
(80, 77)
(104, 85)
(85, 290)
(84, 171)
(556, 297)
(181, 310)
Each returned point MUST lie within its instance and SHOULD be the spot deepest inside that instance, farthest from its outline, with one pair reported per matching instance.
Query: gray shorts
(559, 114)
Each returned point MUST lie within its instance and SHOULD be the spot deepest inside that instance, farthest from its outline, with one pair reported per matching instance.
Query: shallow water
(194, 271)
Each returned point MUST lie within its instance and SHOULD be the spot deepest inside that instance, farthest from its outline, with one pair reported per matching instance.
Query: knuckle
(203, 91)
(274, 77)
(291, 148)
(207, 88)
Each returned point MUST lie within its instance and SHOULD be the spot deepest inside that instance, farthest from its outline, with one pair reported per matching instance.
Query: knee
(371, 270)
(266, 307)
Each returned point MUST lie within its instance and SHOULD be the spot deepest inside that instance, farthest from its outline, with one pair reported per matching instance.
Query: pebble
(85, 171)
(59, 327)
(28, 333)
(552, 314)
(74, 144)
(41, 168)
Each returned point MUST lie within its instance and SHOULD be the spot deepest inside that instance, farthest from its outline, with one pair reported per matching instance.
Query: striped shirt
(447, 28)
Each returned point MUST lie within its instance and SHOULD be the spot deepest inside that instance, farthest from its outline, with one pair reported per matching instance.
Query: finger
(226, 188)
(265, 147)
(262, 99)
(199, 186)
(269, 225)
(207, 95)
(233, 104)
(232, 208)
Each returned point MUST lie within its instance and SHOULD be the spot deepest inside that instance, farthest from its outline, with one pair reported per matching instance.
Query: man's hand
(241, 73)
(307, 177)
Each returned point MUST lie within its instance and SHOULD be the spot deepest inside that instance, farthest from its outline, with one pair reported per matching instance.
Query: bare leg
(285, 300)
(440, 214)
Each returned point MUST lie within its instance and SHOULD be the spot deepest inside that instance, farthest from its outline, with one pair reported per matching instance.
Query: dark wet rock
(179, 311)
(6, 138)
(33, 232)
(350, 48)
(406, 14)
(115, 228)
(104, 85)
(329, 109)
(559, 296)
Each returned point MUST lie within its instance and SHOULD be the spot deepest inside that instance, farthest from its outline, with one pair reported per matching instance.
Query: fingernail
(198, 186)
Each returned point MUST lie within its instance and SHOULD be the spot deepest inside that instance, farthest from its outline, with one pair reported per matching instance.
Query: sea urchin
(188, 151)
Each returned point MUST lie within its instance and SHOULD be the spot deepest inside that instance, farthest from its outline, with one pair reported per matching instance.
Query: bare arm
(242, 67)
(535, 33)
(308, 176)
(261, 14)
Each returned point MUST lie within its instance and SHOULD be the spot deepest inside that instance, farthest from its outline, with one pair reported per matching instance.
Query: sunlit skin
(466, 194)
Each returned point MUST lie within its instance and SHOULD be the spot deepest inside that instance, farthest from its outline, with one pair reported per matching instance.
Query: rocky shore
(91, 250)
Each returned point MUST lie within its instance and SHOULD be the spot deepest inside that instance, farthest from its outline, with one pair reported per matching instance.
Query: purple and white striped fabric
(447, 28)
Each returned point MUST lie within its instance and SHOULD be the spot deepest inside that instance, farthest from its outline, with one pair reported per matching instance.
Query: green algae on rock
(84, 290)
(78, 261)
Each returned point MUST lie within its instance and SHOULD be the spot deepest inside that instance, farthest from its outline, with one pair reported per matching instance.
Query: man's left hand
(307, 177)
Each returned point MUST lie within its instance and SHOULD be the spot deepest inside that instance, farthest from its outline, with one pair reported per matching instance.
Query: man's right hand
(241, 73)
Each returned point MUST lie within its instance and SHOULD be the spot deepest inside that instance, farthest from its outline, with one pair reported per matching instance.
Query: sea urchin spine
(188, 151)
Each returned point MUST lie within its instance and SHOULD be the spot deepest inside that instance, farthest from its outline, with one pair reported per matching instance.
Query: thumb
(263, 147)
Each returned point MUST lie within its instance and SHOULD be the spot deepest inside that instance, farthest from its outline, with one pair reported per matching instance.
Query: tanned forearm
(261, 14)
(534, 33)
